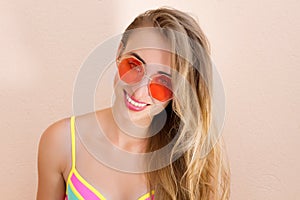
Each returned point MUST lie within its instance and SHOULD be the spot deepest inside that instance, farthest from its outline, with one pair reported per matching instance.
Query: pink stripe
(85, 192)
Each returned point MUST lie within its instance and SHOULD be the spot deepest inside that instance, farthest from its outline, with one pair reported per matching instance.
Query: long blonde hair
(191, 176)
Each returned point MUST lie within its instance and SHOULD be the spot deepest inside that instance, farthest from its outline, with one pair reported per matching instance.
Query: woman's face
(143, 79)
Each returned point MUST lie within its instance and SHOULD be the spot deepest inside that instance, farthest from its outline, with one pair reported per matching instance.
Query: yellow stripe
(74, 171)
(96, 192)
(69, 177)
(75, 191)
(73, 140)
(146, 195)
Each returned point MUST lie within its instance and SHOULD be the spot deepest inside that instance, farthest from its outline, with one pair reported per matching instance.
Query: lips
(134, 104)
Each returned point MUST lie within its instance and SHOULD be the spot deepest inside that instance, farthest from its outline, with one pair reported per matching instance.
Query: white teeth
(135, 103)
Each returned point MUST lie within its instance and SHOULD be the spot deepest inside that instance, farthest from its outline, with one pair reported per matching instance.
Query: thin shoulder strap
(73, 140)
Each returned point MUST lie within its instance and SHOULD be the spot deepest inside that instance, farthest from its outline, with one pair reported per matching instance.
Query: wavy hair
(200, 170)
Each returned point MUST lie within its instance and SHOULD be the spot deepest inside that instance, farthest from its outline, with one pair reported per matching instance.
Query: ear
(120, 50)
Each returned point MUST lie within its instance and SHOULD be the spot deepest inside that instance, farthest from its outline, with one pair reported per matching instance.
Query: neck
(130, 143)
(126, 135)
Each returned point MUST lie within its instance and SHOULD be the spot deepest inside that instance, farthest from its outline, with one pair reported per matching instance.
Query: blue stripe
(71, 195)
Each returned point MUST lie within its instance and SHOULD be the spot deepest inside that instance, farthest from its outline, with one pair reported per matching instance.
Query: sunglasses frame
(150, 78)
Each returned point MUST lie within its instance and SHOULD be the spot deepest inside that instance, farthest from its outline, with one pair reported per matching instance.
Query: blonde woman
(162, 90)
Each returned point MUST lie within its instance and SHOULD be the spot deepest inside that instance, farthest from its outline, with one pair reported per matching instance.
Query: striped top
(77, 188)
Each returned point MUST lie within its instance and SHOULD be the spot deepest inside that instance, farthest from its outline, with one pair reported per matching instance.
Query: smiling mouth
(133, 104)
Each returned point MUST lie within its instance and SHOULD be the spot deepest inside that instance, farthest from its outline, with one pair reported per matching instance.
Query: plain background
(255, 45)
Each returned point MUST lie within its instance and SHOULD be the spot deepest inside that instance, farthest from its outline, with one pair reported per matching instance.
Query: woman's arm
(52, 154)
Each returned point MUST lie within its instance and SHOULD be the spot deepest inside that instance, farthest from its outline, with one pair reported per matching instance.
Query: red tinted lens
(161, 88)
(131, 70)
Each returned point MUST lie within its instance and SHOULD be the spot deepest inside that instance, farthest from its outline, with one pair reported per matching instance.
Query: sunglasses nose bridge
(147, 77)
(144, 82)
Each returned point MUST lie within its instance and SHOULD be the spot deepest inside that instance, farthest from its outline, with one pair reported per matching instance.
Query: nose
(140, 90)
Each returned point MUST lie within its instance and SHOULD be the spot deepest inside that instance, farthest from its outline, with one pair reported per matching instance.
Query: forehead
(147, 37)
(150, 45)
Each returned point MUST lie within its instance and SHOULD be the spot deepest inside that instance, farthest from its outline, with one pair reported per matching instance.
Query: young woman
(162, 90)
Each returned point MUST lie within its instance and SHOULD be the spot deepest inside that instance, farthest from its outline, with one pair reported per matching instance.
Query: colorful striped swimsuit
(79, 189)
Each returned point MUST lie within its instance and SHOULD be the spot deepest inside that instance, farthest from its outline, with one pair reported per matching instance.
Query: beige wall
(255, 46)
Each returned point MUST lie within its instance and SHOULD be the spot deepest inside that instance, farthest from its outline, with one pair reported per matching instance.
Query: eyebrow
(138, 57)
(161, 72)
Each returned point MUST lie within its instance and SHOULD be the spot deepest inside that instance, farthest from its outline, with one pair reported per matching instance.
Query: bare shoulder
(56, 131)
(55, 141)
(53, 152)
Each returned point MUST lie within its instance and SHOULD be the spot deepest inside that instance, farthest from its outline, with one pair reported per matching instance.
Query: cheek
(158, 108)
